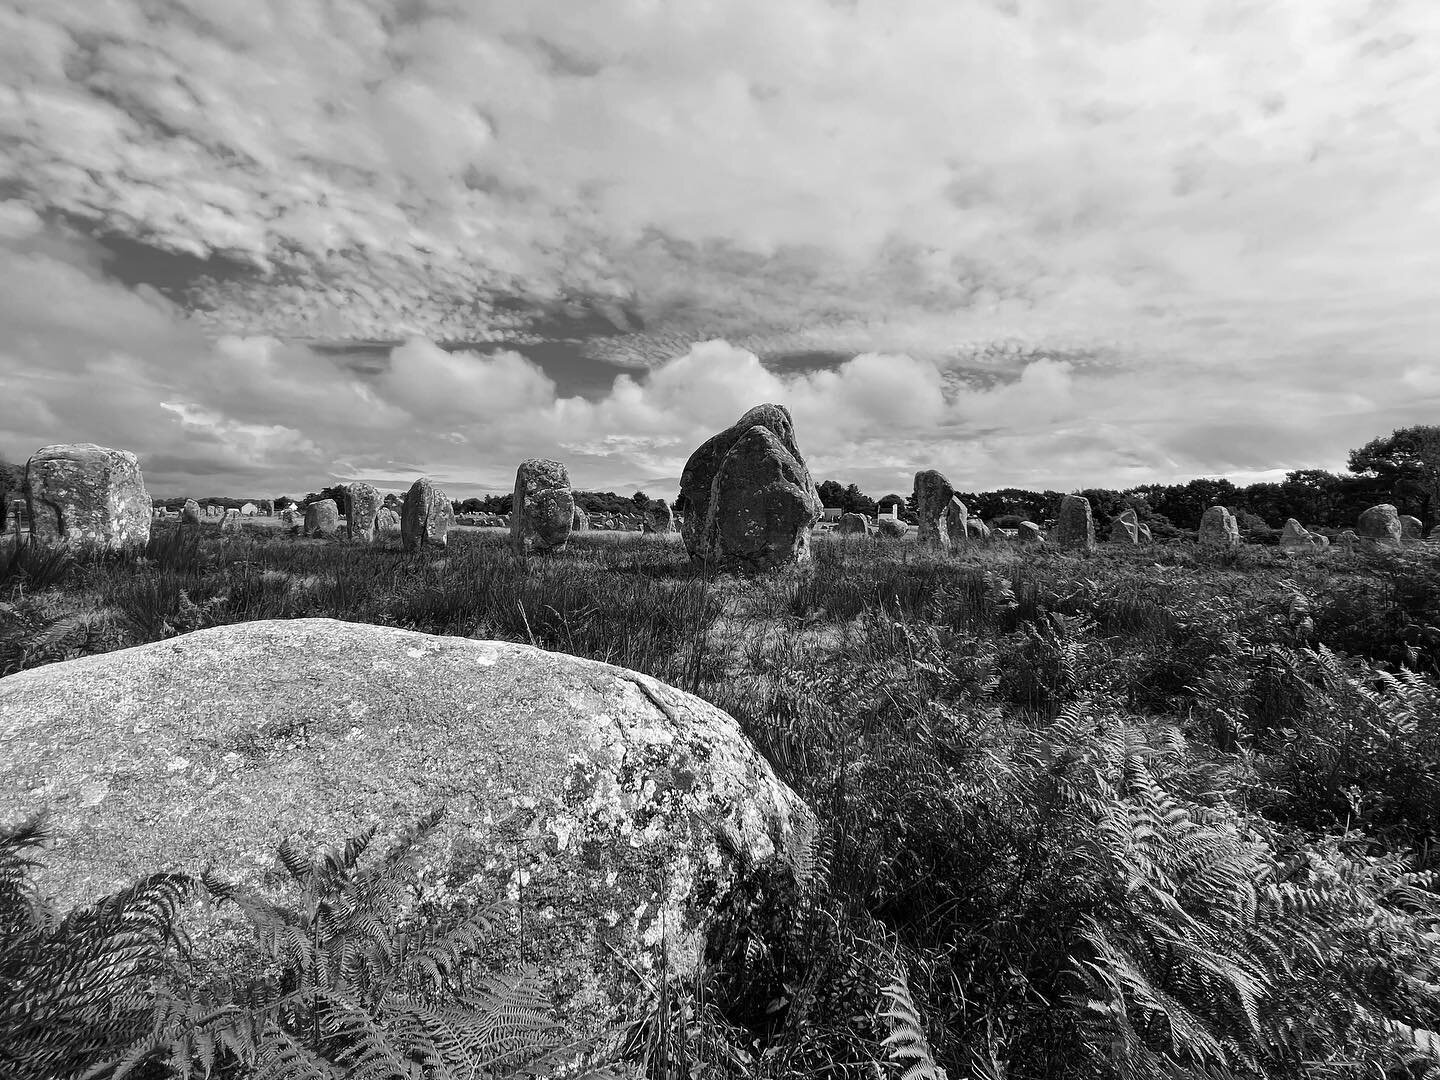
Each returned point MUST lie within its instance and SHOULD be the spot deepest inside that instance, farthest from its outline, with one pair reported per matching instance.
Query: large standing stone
(1218, 528)
(1295, 537)
(544, 510)
(1074, 527)
(633, 812)
(230, 523)
(190, 513)
(762, 506)
(427, 516)
(87, 495)
(853, 525)
(1411, 528)
(932, 499)
(1380, 525)
(697, 481)
(362, 507)
(322, 518)
(957, 523)
(1125, 528)
(658, 517)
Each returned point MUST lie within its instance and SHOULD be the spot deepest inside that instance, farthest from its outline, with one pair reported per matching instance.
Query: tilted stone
(1125, 528)
(957, 523)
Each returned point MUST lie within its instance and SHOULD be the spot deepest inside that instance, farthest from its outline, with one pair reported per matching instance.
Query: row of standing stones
(751, 505)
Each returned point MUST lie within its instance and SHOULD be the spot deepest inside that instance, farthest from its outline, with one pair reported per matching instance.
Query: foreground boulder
(853, 524)
(426, 517)
(322, 519)
(1380, 526)
(87, 495)
(932, 496)
(362, 509)
(1074, 526)
(1219, 529)
(634, 810)
(771, 504)
(544, 507)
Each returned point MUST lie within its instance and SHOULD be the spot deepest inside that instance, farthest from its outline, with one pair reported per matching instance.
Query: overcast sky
(1043, 243)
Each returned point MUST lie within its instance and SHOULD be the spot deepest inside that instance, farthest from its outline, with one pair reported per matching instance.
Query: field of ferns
(1153, 812)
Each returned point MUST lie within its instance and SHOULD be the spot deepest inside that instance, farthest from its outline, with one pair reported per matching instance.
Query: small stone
(190, 513)
(1029, 533)
(230, 523)
(853, 525)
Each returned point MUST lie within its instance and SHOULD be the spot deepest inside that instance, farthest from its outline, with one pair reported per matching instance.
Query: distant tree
(1105, 505)
(282, 502)
(471, 506)
(1407, 464)
(856, 501)
(832, 493)
(640, 499)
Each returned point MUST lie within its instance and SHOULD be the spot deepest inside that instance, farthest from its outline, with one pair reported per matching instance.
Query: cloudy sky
(1047, 243)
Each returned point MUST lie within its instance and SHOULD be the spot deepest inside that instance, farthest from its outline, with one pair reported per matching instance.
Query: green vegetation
(1155, 812)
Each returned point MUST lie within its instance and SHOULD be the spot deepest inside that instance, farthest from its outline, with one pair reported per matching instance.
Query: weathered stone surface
(891, 528)
(190, 513)
(1219, 529)
(1125, 528)
(853, 525)
(1411, 528)
(362, 509)
(248, 509)
(544, 509)
(1074, 527)
(322, 518)
(1294, 537)
(977, 529)
(698, 478)
(579, 521)
(659, 517)
(1380, 525)
(632, 808)
(762, 506)
(957, 523)
(932, 496)
(387, 522)
(230, 523)
(1349, 539)
(426, 517)
(87, 495)
(1029, 532)
(1319, 540)
(1145, 537)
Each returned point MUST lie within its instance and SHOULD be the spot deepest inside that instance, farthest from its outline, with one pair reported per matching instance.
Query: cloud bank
(1062, 243)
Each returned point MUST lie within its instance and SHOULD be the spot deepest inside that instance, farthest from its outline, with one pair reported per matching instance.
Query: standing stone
(658, 517)
(1125, 528)
(230, 523)
(977, 529)
(1411, 528)
(1145, 537)
(87, 495)
(362, 505)
(1218, 528)
(579, 521)
(190, 514)
(1295, 537)
(853, 525)
(932, 499)
(1380, 526)
(544, 507)
(762, 505)
(957, 523)
(793, 514)
(387, 522)
(1074, 527)
(322, 518)
(1029, 533)
(426, 517)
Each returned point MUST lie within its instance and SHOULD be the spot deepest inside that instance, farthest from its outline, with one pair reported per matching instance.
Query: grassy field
(1153, 812)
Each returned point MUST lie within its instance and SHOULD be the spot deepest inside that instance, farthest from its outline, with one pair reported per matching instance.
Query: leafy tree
(471, 506)
(640, 499)
(282, 502)
(1407, 463)
(856, 501)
